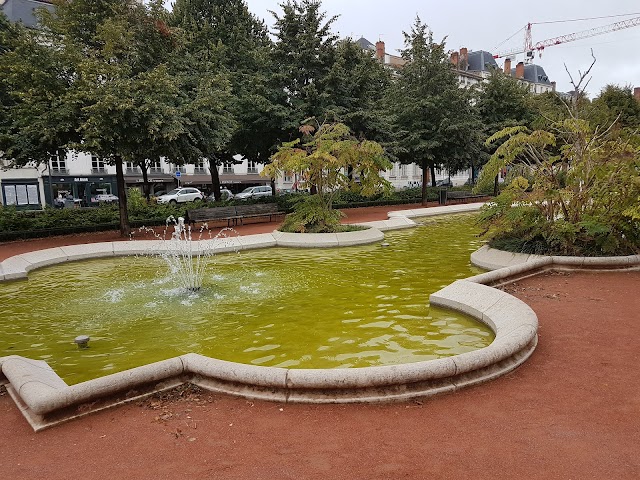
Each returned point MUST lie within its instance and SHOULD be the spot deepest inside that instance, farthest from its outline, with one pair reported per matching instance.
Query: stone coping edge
(505, 267)
(46, 400)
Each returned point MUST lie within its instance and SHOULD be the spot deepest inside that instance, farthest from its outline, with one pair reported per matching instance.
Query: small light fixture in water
(82, 341)
(384, 244)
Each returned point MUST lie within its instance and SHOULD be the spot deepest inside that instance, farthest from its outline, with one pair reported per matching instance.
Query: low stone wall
(46, 400)
(506, 267)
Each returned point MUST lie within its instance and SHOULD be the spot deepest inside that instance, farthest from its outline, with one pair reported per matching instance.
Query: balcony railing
(59, 171)
(199, 171)
(134, 171)
(99, 170)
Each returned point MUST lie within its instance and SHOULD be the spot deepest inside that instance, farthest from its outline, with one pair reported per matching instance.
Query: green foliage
(434, 120)
(324, 162)
(303, 53)
(580, 196)
(310, 216)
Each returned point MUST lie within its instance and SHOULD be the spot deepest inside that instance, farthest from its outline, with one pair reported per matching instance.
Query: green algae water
(312, 308)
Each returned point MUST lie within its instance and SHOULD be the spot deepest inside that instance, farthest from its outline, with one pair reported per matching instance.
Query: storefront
(82, 190)
(23, 193)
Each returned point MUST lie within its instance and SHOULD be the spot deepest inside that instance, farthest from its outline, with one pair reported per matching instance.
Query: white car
(105, 197)
(253, 192)
(181, 195)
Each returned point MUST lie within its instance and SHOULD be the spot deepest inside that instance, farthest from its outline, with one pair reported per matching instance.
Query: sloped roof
(23, 10)
(533, 73)
(365, 44)
(481, 61)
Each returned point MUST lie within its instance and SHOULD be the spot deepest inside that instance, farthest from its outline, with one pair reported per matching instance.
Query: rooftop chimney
(636, 93)
(520, 70)
(455, 59)
(553, 86)
(464, 59)
(380, 50)
(507, 66)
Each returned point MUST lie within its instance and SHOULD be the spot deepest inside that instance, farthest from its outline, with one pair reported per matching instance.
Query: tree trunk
(273, 187)
(145, 180)
(425, 181)
(495, 186)
(125, 228)
(215, 179)
(432, 168)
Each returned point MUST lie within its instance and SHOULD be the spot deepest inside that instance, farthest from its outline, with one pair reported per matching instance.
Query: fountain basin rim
(46, 399)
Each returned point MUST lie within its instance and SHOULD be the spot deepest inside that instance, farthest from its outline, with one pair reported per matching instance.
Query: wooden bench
(209, 214)
(462, 196)
(259, 210)
(233, 214)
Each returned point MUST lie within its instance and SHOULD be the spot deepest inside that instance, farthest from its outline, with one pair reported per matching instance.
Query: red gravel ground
(572, 411)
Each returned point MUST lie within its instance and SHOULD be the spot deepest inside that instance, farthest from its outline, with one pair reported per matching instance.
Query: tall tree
(502, 102)
(304, 53)
(225, 37)
(356, 85)
(616, 104)
(434, 119)
(109, 77)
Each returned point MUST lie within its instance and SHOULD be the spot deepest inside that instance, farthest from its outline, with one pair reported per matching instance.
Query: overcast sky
(483, 25)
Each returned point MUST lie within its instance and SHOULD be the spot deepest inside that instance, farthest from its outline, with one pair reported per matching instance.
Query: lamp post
(50, 181)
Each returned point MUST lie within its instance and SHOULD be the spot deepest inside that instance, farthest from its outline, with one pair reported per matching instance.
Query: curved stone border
(19, 266)
(506, 267)
(45, 399)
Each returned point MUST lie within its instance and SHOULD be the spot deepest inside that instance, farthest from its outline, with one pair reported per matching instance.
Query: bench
(260, 210)
(209, 214)
(459, 196)
(233, 214)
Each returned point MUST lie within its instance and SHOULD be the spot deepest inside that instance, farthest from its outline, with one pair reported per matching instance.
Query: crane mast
(530, 49)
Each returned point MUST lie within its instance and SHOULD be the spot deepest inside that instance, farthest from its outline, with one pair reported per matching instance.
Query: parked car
(181, 195)
(254, 192)
(444, 183)
(104, 197)
(224, 193)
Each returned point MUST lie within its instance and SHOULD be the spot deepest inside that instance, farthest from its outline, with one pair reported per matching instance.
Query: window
(252, 167)
(21, 194)
(403, 170)
(131, 168)
(59, 162)
(199, 169)
(97, 164)
(227, 168)
(288, 177)
(155, 167)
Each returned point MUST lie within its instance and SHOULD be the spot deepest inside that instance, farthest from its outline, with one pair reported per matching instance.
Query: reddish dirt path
(570, 412)
(352, 215)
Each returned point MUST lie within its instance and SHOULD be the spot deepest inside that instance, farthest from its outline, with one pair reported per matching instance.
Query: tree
(324, 160)
(304, 52)
(502, 102)
(38, 118)
(225, 37)
(577, 192)
(434, 120)
(616, 104)
(105, 77)
(356, 85)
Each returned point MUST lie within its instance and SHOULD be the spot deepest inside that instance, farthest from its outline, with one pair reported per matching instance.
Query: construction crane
(530, 49)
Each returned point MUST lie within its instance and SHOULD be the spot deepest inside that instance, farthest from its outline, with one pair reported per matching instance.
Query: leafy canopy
(324, 161)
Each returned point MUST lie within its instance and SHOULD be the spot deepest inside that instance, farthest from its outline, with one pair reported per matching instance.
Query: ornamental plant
(574, 190)
(329, 159)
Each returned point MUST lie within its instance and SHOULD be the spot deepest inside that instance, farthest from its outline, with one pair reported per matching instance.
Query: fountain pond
(295, 308)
